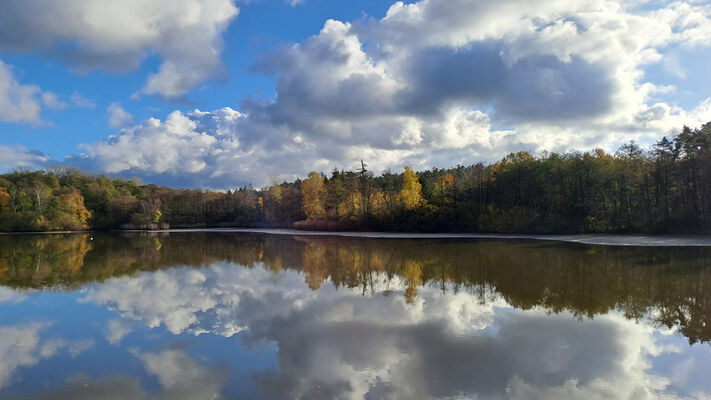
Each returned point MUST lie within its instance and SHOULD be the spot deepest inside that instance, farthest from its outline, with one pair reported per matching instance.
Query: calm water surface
(252, 316)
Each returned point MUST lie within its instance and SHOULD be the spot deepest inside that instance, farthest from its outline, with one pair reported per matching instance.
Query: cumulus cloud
(118, 35)
(23, 103)
(117, 116)
(53, 102)
(20, 156)
(576, 66)
(225, 148)
(434, 82)
(179, 145)
(18, 102)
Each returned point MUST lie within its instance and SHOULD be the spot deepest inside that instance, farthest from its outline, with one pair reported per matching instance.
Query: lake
(208, 315)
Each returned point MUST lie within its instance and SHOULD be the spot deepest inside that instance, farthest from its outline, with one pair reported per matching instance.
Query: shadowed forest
(666, 188)
(667, 285)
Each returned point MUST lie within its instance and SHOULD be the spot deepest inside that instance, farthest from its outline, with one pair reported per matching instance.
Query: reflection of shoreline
(585, 280)
(493, 319)
(631, 240)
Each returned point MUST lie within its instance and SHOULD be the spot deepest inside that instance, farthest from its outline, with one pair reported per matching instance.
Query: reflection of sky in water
(189, 333)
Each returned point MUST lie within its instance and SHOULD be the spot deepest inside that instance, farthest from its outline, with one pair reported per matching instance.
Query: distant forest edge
(666, 188)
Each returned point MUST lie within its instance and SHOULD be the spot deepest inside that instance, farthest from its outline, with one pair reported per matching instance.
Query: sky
(223, 93)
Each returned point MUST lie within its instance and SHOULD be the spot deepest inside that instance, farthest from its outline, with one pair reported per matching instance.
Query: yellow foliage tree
(411, 193)
(378, 205)
(276, 192)
(350, 206)
(313, 191)
(76, 215)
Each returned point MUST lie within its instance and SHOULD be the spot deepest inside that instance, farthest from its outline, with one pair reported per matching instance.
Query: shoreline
(629, 240)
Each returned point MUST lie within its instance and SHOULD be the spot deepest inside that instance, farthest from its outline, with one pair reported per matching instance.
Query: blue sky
(262, 26)
(283, 89)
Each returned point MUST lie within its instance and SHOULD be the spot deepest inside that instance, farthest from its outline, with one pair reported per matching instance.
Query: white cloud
(18, 102)
(118, 35)
(171, 146)
(205, 149)
(690, 22)
(20, 156)
(53, 102)
(117, 116)
(434, 83)
(22, 103)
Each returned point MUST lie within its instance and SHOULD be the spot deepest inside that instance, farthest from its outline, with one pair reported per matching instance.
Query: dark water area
(208, 315)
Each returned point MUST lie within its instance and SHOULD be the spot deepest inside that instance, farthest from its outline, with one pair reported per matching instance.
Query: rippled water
(252, 316)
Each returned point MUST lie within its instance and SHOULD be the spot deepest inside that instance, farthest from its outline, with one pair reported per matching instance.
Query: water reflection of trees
(671, 284)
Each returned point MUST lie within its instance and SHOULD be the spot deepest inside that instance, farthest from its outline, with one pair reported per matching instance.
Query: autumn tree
(313, 191)
(411, 193)
(73, 213)
(4, 197)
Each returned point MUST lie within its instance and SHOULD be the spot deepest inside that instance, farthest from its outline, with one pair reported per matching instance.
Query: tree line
(666, 188)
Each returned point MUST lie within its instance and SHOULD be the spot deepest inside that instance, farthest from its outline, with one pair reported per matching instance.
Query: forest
(662, 189)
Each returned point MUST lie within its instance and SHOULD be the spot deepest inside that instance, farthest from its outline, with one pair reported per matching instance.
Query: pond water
(207, 315)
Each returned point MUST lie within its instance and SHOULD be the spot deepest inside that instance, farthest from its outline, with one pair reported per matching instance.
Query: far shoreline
(628, 240)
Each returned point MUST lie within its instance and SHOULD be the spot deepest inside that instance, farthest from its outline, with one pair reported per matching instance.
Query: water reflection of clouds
(687, 368)
(117, 329)
(24, 346)
(180, 378)
(225, 299)
(340, 344)
(10, 295)
(529, 357)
